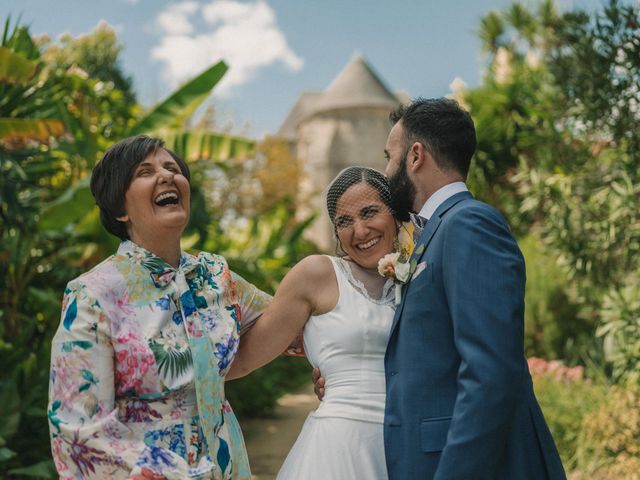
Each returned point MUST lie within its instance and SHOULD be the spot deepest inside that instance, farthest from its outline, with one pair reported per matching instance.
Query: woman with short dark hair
(112, 176)
(139, 360)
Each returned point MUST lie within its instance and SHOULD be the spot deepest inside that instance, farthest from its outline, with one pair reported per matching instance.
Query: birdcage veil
(378, 191)
(354, 196)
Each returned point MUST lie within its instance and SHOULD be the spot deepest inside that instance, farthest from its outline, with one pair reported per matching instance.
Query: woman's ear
(124, 218)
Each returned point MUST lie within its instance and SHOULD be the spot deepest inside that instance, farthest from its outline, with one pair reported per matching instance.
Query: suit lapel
(423, 242)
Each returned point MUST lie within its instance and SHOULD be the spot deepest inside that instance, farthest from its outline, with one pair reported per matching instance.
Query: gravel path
(270, 439)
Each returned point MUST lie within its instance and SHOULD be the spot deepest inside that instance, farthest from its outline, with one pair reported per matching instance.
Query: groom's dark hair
(443, 127)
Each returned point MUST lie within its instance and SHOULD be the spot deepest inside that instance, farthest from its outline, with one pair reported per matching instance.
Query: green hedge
(596, 426)
(609, 444)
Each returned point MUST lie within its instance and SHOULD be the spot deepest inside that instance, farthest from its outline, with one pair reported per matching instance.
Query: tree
(96, 53)
(592, 205)
(32, 112)
(55, 123)
(558, 151)
(515, 108)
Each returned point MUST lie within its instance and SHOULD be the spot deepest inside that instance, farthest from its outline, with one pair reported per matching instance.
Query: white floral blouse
(137, 369)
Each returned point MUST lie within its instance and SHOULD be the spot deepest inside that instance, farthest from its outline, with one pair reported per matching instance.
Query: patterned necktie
(419, 222)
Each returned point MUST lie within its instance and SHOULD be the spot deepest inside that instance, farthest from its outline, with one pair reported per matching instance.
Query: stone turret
(346, 124)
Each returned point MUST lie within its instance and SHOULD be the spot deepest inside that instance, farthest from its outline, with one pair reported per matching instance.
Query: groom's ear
(417, 156)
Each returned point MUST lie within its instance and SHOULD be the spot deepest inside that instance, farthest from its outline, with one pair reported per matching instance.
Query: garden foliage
(61, 105)
(558, 152)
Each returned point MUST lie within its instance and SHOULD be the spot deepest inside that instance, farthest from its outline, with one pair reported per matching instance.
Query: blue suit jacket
(460, 402)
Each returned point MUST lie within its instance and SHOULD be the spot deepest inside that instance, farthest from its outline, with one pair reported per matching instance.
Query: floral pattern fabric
(137, 369)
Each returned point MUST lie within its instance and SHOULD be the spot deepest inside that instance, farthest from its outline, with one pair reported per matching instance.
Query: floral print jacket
(137, 369)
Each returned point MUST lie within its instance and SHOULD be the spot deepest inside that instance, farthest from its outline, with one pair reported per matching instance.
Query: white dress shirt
(435, 200)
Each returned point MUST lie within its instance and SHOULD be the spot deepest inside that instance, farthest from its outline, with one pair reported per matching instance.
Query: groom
(460, 403)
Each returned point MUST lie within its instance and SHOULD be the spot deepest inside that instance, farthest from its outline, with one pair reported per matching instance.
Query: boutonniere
(397, 265)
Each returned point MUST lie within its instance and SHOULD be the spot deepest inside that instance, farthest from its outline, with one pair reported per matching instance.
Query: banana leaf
(70, 207)
(194, 145)
(15, 68)
(15, 132)
(77, 201)
(179, 106)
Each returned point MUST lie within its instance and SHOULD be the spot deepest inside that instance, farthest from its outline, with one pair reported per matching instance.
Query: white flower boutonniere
(396, 265)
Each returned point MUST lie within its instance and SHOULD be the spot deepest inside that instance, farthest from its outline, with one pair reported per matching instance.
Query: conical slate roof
(305, 106)
(357, 86)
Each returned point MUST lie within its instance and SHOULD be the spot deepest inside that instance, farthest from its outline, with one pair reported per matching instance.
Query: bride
(346, 309)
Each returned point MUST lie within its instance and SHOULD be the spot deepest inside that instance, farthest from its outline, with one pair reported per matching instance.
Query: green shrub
(553, 328)
(620, 329)
(256, 394)
(609, 444)
(566, 399)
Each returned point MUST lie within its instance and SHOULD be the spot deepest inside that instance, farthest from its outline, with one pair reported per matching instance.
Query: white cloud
(459, 91)
(175, 19)
(231, 11)
(245, 35)
(458, 86)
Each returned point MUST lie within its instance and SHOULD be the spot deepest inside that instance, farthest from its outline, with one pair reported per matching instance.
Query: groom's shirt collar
(440, 195)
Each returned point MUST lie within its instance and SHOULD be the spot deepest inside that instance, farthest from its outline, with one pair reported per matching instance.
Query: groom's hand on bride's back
(318, 383)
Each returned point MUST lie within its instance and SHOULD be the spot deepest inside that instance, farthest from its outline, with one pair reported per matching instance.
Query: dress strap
(346, 279)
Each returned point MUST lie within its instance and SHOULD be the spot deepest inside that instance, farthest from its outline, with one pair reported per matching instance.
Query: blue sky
(279, 48)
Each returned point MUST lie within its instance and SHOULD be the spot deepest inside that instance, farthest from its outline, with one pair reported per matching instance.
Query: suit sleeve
(484, 280)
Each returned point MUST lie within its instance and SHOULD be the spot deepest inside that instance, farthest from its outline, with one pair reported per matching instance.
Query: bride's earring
(339, 250)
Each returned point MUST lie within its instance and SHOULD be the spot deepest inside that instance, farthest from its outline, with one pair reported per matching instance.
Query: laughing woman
(147, 336)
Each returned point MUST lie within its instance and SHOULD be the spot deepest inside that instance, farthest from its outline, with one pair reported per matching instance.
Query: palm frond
(196, 145)
(491, 31)
(171, 363)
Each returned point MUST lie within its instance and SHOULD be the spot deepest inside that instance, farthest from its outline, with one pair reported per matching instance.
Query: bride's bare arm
(306, 289)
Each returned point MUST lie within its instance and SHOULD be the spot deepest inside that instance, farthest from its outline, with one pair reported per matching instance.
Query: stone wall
(327, 143)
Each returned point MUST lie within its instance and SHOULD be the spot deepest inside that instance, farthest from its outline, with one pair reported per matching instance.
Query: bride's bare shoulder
(315, 280)
(315, 268)
(309, 276)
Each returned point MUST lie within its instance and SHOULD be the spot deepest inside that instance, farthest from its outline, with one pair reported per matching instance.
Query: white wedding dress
(343, 438)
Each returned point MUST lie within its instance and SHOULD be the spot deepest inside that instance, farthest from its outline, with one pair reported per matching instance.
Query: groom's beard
(403, 192)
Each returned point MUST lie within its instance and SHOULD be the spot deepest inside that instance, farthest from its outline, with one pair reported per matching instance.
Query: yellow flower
(405, 241)
(396, 265)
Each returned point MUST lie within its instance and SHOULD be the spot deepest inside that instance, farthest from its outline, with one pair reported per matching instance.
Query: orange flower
(387, 265)
(147, 474)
